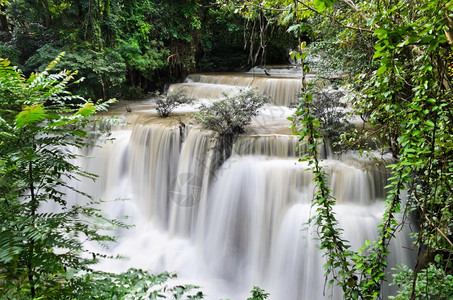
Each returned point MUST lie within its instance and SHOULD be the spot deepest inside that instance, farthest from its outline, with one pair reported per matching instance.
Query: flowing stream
(228, 228)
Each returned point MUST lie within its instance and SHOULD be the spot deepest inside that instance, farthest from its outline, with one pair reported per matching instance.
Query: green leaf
(429, 123)
(381, 33)
(381, 70)
(426, 39)
(320, 5)
(87, 109)
(30, 114)
(413, 39)
(294, 28)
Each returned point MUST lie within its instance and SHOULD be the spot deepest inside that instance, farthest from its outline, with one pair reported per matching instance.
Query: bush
(132, 284)
(230, 115)
(258, 294)
(431, 282)
(329, 109)
(39, 127)
(166, 104)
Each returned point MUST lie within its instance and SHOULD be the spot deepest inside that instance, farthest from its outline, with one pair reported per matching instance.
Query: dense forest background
(126, 49)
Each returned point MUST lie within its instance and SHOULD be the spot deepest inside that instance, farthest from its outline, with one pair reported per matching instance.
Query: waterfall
(283, 90)
(191, 184)
(228, 228)
(153, 161)
(269, 145)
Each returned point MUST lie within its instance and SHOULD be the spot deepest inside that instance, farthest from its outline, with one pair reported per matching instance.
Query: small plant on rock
(330, 110)
(327, 106)
(258, 294)
(167, 103)
(230, 115)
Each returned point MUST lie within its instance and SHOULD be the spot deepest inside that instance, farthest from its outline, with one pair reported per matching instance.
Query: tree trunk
(46, 15)
(3, 20)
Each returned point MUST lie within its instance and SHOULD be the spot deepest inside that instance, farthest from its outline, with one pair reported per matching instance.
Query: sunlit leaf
(30, 114)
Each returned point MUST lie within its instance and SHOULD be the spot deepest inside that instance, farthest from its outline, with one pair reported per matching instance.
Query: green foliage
(329, 108)
(221, 43)
(412, 105)
(146, 61)
(103, 71)
(113, 43)
(267, 39)
(42, 57)
(432, 282)
(22, 42)
(335, 248)
(336, 51)
(258, 294)
(167, 103)
(230, 115)
(9, 52)
(132, 284)
(39, 127)
(130, 48)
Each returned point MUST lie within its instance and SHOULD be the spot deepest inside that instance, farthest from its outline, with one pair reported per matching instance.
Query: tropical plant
(103, 70)
(134, 284)
(40, 127)
(149, 43)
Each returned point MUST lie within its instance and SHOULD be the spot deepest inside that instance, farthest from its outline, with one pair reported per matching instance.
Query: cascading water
(233, 227)
(282, 85)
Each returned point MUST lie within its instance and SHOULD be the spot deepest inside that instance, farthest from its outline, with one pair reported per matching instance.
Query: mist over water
(235, 226)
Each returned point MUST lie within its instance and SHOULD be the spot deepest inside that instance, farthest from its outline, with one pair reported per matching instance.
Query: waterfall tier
(236, 226)
(282, 90)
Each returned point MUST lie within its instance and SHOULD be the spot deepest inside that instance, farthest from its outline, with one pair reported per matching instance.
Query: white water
(282, 85)
(231, 228)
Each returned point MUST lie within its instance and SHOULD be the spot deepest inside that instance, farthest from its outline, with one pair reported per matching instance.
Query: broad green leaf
(320, 5)
(413, 39)
(381, 33)
(87, 110)
(30, 114)
(429, 123)
(381, 70)
(426, 39)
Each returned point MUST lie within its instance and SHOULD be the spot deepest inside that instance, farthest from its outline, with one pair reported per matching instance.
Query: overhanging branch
(335, 20)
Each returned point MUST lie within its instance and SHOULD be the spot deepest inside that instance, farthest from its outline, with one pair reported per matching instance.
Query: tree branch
(356, 9)
(449, 32)
(333, 19)
(266, 8)
(433, 225)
